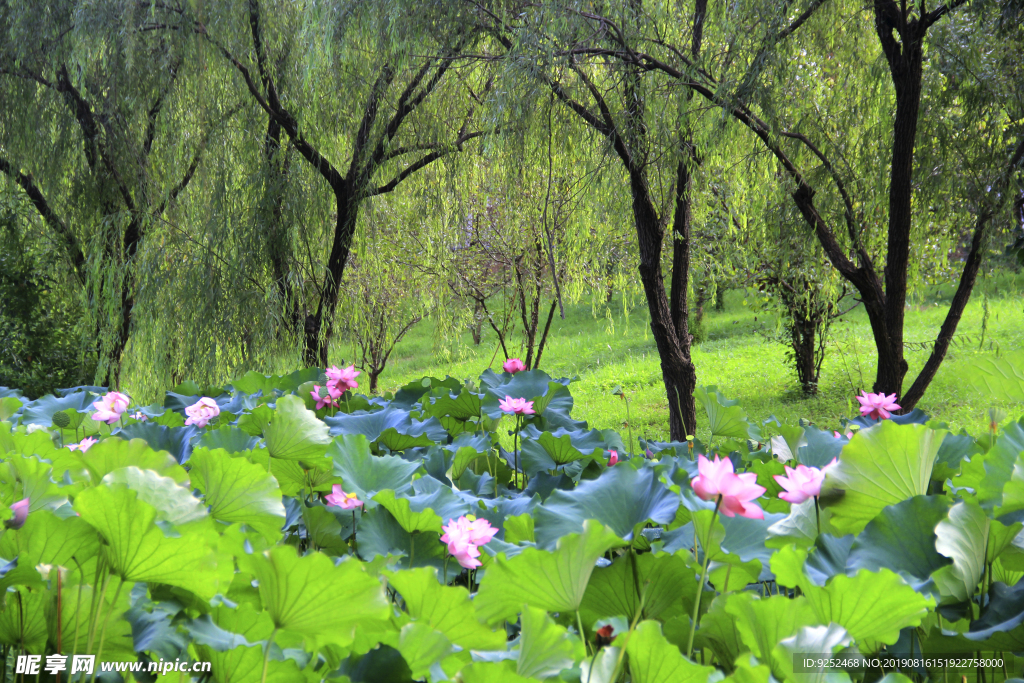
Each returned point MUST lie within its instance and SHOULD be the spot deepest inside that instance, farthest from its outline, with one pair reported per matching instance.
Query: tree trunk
(905, 59)
(677, 371)
(320, 326)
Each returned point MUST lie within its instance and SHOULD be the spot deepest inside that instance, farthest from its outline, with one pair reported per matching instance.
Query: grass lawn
(744, 364)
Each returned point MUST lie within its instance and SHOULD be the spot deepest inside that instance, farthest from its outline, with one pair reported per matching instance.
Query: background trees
(183, 185)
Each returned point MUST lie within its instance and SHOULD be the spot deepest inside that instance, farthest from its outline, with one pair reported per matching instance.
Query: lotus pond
(286, 528)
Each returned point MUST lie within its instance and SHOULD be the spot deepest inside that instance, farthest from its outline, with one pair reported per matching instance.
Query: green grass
(739, 359)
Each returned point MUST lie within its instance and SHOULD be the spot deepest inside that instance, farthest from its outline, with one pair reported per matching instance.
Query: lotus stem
(817, 515)
(103, 631)
(703, 578)
(583, 636)
(266, 655)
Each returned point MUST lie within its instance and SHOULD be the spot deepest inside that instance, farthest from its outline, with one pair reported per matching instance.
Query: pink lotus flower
(110, 407)
(513, 365)
(346, 501)
(613, 458)
(516, 406)
(717, 481)
(800, 483)
(325, 396)
(464, 537)
(877, 406)
(848, 435)
(201, 412)
(83, 445)
(20, 510)
(140, 416)
(340, 380)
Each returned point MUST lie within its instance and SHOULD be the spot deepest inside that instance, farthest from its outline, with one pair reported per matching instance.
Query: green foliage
(220, 560)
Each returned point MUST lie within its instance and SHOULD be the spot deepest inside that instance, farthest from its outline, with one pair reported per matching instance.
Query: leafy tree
(374, 131)
(96, 111)
(972, 110)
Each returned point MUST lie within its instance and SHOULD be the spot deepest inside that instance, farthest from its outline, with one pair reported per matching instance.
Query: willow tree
(652, 127)
(103, 126)
(935, 101)
(363, 125)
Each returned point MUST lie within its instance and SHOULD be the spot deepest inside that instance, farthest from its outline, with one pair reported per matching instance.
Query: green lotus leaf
(446, 609)
(726, 419)
(988, 474)
(1004, 613)
(621, 498)
(1013, 490)
(800, 526)
(237, 490)
(467, 447)
(114, 454)
(230, 641)
(380, 535)
(652, 659)
(763, 622)
(365, 474)
(962, 538)
(548, 450)
(811, 639)
(231, 439)
(314, 598)
(717, 632)
(23, 622)
(173, 503)
(519, 528)
(433, 506)
(295, 433)
(48, 539)
(545, 648)
(253, 382)
(41, 410)
(38, 443)
(746, 669)
(255, 422)
(555, 581)
(492, 672)
(174, 440)
(882, 465)
(422, 647)
(461, 405)
(9, 405)
(1001, 538)
(394, 428)
(872, 606)
(28, 477)
(138, 550)
(954, 448)
(325, 530)
(669, 586)
(902, 538)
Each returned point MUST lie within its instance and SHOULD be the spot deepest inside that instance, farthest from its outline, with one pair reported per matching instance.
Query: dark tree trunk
(320, 326)
(805, 344)
(905, 58)
(677, 370)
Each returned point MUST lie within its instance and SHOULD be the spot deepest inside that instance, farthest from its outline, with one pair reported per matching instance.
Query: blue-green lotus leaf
(40, 411)
(393, 428)
(902, 538)
(621, 498)
(366, 474)
(174, 440)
